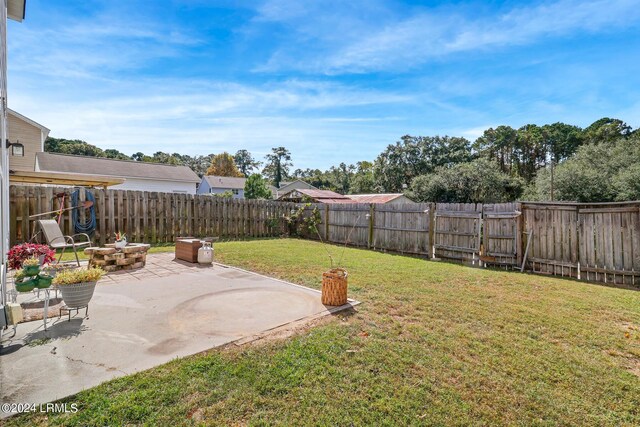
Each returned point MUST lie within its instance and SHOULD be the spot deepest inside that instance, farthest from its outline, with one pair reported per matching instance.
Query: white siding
(240, 194)
(154, 185)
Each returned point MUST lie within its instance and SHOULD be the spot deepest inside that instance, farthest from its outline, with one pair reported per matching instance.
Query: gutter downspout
(4, 159)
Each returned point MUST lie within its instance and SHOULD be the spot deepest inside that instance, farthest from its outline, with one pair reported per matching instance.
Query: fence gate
(402, 228)
(500, 234)
(457, 231)
(609, 248)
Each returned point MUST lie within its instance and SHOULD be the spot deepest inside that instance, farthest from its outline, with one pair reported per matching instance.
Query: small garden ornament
(121, 240)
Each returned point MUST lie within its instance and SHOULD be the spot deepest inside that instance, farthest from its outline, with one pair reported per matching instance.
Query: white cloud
(428, 34)
(202, 117)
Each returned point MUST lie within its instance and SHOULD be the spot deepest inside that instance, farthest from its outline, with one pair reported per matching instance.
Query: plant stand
(77, 309)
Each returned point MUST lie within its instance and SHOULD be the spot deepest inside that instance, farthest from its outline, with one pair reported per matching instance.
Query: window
(235, 191)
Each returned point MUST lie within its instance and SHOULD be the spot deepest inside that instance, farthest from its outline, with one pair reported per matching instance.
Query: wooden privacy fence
(151, 217)
(402, 228)
(594, 242)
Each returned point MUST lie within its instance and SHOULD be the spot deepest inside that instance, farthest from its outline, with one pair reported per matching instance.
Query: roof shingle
(55, 162)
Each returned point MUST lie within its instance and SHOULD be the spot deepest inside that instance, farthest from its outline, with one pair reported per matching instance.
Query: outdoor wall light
(17, 149)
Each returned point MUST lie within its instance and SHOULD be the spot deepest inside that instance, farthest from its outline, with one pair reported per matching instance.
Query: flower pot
(44, 281)
(26, 285)
(334, 287)
(31, 270)
(77, 295)
(119, 244)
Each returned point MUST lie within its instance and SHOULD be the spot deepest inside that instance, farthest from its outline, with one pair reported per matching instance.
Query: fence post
(432, 227)
(372, 210)
(326, 222)
(520, 242)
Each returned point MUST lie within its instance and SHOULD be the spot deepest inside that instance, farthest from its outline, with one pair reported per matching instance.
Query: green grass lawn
(432, 343)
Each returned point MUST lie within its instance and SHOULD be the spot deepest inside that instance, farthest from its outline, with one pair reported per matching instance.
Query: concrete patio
(144, 318)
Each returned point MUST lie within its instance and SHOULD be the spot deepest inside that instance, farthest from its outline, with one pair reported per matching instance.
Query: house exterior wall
(139, 184)
(206, 188)
(30, 136)
(239, 195)
(203, 188)
(295, 185)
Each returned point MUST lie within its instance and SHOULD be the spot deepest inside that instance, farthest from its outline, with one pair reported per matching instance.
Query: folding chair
(56, 240)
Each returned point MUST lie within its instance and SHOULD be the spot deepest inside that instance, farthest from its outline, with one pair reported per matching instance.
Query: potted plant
(43, 280)
(19, 253)
(77, 286)
(334, 281)
(121, 240)
(24, 283)
(31, 266)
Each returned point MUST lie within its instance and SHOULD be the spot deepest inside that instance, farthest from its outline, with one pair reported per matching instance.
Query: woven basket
(334, 287)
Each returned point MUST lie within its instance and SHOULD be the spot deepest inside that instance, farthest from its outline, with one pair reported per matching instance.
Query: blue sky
(332, 81)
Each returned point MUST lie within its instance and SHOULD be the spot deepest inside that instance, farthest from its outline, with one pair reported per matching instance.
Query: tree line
(551, 162)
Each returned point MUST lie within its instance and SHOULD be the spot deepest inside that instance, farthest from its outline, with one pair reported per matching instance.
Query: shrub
(19, 253)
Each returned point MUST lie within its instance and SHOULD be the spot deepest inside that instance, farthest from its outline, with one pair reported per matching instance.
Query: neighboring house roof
(44, 129)
(225, 182)
(55, 162)
(286, 186)
(322, 196)
(374, 198)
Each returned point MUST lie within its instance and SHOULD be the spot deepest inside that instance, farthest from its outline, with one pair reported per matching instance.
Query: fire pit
(131, 257)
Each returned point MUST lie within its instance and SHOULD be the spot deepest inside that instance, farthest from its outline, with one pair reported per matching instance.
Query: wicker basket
(334, 287)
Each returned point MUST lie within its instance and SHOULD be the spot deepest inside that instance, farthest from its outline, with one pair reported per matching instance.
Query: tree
(245, 162)
(255, 187)
(530, 151)
(111, 153)
(479, 181)
(278, 163)
(315, 177)
(138, 157)
(413, 156)
(198, 164)
(606, 130)
(499, 145)
(605, 172)
(362, 181)
(340, 177)
(72, 146)
(562, 140)
(223, 165)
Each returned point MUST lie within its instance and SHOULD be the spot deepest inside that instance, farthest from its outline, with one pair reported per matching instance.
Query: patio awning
(16, 9)
(58, 178)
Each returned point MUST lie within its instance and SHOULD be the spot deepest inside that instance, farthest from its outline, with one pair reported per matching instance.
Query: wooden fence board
(594, 242)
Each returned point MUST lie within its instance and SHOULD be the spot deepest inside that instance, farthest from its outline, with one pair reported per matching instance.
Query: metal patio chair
(56, 240)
